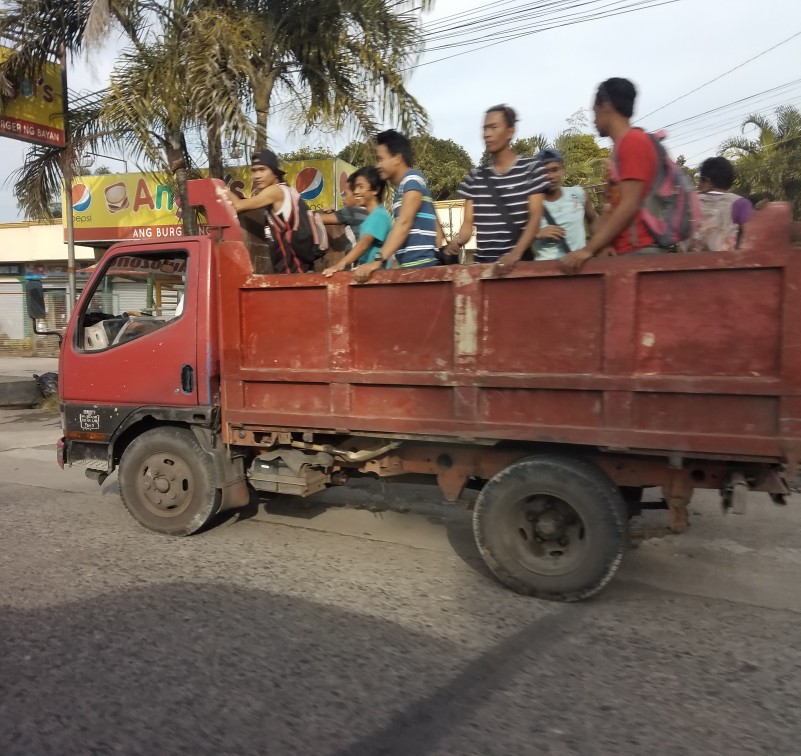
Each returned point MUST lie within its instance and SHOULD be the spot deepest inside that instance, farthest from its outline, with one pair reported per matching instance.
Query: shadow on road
(203, 668)
(421, 501)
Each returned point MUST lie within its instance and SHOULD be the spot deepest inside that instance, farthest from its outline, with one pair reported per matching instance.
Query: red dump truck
(560, 397)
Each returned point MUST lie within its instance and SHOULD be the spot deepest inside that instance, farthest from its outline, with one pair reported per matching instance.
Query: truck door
(132, 340)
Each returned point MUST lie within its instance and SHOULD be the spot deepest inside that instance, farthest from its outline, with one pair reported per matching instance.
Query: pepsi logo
(81, 197)
(343, 183)
(309, 183)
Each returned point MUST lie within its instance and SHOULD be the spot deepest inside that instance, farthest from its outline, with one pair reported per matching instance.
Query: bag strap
(551, 222)
(501, 205)
(283, 229)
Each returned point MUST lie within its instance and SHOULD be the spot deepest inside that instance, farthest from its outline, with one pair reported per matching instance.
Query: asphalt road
(332, 630)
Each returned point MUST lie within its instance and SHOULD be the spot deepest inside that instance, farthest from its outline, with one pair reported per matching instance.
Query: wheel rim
(546, 534)
(165, 484)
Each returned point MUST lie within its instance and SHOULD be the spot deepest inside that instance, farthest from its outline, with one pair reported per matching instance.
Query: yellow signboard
(35, 112)
(139, 206)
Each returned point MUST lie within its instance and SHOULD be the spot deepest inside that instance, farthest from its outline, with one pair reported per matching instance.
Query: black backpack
(299, 240)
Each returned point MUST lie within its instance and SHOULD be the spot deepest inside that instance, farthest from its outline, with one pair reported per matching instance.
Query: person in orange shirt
(630, 174)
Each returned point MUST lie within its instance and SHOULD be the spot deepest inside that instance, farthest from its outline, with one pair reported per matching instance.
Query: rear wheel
(552, 527)
(167, 482)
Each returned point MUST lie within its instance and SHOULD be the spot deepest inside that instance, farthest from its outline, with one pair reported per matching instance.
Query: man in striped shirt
(414, 232)
(520, 184)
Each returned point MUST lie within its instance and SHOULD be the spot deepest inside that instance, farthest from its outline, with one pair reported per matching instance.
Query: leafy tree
(530, 146)
(585, 161)
(334, 59)
(358, 153)
(40, 31)
(769, 165)
(443, 162)
(205, 64)
(689, 170)
(187, 78)
(39, 178)
(306, 153)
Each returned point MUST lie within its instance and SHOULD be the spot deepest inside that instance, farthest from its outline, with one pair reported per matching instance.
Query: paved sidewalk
(25, 367)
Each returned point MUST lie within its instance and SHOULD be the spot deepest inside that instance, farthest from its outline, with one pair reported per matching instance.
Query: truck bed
(677, 353)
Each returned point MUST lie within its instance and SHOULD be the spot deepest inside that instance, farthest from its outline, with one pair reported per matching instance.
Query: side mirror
(34, 297)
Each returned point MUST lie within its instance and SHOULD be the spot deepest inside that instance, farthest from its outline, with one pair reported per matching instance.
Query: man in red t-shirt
(630, 174)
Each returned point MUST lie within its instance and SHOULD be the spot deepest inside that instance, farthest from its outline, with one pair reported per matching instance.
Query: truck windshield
(137, 294)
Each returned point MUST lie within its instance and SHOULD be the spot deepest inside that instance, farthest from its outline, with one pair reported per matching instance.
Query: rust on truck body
(692, 354)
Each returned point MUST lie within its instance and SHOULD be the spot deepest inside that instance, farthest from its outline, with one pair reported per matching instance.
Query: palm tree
(336, 60)
(189, 79)
(38, 182)
(771, 163)
(42, 31)
(200, 66)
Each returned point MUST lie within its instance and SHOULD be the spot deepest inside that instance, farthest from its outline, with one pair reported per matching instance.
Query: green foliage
(306, 153)
(769, 166)
(689, 170)
(201, 67)
(530, 146)
(585, 161)
(443, 162)
(358, 154)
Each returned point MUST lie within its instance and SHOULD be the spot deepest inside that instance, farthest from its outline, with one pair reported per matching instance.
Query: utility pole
(66, 169)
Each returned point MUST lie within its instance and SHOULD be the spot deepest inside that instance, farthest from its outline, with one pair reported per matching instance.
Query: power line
(682, 138)
(536, 31)
(434, 27)
(514, 28)
(525, 12)
(734, 102)
(728, 129)
(725, 73)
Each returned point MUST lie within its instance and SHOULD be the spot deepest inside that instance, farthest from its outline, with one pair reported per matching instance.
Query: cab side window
(137, 295)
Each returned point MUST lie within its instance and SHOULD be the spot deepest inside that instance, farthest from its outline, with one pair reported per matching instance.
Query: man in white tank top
(268, 186)
(270, 192)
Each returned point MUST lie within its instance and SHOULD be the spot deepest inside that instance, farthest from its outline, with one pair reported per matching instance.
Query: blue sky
(667, 51)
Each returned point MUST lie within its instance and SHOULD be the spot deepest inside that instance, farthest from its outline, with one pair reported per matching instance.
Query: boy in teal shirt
(368, 187)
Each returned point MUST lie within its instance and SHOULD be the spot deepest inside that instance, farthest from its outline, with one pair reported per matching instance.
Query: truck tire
(167, 482)
(551, 527)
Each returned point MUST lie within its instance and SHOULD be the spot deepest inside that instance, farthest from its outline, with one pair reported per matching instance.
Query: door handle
(187, 379)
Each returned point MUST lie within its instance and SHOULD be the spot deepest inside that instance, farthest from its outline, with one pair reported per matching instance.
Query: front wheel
(167, 482)
(551, 527)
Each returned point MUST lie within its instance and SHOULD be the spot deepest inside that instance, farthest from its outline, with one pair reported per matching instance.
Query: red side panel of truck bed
(688, 353)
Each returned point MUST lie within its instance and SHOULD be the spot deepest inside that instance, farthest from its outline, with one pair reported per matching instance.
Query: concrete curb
(18, 391)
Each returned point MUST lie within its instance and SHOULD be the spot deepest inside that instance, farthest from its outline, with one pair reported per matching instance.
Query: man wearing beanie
(270, 193)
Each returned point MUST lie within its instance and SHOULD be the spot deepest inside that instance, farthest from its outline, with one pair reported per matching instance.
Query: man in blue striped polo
(414, 234)
(504, 199)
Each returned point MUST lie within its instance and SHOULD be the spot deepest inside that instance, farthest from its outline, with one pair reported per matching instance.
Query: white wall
(36, 242)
